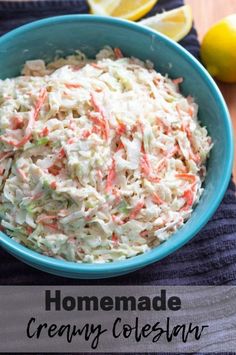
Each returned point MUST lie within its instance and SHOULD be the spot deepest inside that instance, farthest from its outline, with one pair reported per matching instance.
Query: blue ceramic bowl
(42, 39)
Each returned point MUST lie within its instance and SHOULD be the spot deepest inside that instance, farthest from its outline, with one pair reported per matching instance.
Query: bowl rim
(158, 253)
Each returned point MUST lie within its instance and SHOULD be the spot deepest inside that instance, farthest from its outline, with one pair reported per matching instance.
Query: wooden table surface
(207, 12)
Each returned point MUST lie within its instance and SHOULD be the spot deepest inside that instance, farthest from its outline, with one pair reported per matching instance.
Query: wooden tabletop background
(205, 13)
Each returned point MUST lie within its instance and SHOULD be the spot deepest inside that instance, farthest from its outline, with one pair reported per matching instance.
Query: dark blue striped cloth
(209, 259)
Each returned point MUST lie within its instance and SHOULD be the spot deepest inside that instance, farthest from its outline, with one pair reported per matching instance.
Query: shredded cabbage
(100, 159)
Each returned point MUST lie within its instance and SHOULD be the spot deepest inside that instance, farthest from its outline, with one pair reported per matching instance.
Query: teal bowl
(42, 39)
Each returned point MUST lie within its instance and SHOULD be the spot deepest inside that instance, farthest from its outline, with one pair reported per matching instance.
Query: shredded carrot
(115, 238)
(54, 170)
(71, 141)
(191, 111)
(73, 86)
(95, 129)
(86, 134)
(156, 199)
(145, 165)
(97, 89)
(107, 129)
(120, 145)
(121, 129)
(17, 123)
(163, 125)
(96, 120)
(43, 218)
(189, 133)
(111, 176)
(118, 53)
(161, 165)
(39, 103)
(95, 65)
(154, 179)
(156, 81)
(53, 185)
(29, 229)
(178, 81)
(138, 126)
(104, 123)
(44, 132)
(196, 158)
(136, 210)
(178, 110)
(61, 154)
(188, 196)
(143, 234)
(188, 177)
(146, 169)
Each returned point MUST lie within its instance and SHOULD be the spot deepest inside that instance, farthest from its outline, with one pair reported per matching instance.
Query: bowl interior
(63, 35)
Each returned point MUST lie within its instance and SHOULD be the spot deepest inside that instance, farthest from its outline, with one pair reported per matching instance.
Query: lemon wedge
(127, 9)
(175, 24)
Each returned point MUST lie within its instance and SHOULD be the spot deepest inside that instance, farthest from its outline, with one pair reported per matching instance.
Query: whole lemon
(218, 50)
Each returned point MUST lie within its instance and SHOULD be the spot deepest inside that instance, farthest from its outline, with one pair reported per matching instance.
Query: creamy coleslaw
(100, 159)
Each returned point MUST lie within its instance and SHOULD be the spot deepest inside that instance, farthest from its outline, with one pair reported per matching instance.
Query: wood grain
(206, 13)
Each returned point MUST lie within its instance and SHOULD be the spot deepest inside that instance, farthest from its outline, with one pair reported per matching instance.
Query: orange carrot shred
(16, 122)
(53, 185)
(188, 177)
(40, 102)
(178, 81)
(44, 132)
(145, 165)
(188, 196)
(121, 129)
(156, 199)
(104, 123)
(120, 145)
(61, 154)
(54, 170)
(73, 86)
(86, 134)
(118, 53)
(114, 238)
(111, 176)
(136, 210)
(143, 233)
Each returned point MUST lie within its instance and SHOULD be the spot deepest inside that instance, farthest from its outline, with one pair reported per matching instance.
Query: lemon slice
(103, 7)
(127, 9)
(175, 24)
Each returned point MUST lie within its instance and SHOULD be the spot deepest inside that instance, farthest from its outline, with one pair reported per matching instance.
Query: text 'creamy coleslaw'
(100, 160)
